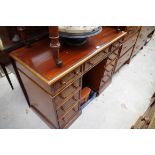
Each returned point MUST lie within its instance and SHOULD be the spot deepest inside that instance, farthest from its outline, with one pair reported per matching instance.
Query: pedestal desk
(55, 93)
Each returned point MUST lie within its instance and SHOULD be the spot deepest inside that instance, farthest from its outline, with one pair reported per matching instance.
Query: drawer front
(128, 44)
(112, 57)
(111, 62)
(116, 45)
(69, 115)
(123, 59)
(65, 105)
(131, 30)
(110, 67)
(106, 80)
(93, 61)
(66, 93)
(68, 105)
(108, 72)
(66, 80)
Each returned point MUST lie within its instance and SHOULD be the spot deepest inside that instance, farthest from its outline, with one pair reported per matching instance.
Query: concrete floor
(118, 106)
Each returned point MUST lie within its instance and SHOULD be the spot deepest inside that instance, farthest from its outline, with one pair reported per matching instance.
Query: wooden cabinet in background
(145, 34)
(127, 45)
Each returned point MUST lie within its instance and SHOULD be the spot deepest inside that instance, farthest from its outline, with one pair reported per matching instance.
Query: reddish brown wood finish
(85, 94)
(39, 57)
(58, 100)
(40, 100)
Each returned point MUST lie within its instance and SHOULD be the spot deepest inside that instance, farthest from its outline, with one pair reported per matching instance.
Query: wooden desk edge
(56, 78)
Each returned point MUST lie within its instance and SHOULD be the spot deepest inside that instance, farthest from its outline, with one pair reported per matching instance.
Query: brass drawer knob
(77, 72)
(62, 108)
(74, 98)
(74, 109)
(62, 96)
(63, 82)
(63, 118)
(90, 63)
(75, 86)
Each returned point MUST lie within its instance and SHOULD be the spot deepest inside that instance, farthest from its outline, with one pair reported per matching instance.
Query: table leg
(7, 76)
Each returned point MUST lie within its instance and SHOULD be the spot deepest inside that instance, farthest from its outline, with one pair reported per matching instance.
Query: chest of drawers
(145, 33)
(127, 46)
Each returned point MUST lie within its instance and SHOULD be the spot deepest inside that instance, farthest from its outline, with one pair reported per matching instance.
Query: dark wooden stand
(6, 74)
(55, 44)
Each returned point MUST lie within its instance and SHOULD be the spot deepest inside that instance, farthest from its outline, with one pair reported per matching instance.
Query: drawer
(131, 30)
(66, 80)
(65, 105)
(116, 45)
(67, 93)
(64, 119)
(112, 57)
(110, 67)
(123, 59)
(128, 44)
(106, 73)
(94, 60)
(104, 81)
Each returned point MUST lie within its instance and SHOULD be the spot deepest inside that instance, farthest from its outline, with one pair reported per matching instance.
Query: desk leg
(7, 76)
(20, 82)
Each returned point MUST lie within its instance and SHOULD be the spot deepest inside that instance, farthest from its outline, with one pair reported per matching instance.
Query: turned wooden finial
(55, 44)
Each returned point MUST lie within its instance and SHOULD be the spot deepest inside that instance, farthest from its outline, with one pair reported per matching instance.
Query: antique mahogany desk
(54, 93)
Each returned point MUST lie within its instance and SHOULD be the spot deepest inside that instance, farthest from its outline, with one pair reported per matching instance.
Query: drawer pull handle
(77, 72)
(63, 118)
(74, 109)
(62, 108)
(109, 58)
(63, 82)
(74, 98)
(75, 86)
(91, 63)
(62, 96)
(114, 46)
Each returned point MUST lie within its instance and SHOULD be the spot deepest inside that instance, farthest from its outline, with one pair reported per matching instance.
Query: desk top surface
(38, 58)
